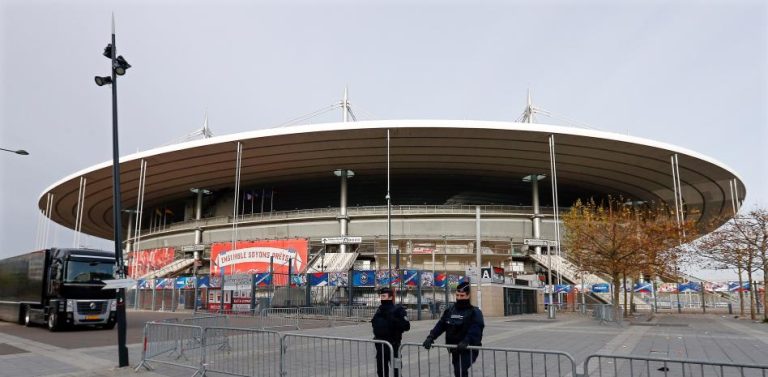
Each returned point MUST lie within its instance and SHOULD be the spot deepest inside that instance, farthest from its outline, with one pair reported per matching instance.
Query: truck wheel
(27, 316)
(53, 322)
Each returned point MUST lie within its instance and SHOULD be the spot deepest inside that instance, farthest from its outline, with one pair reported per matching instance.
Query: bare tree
(728, 248)
(752, 230)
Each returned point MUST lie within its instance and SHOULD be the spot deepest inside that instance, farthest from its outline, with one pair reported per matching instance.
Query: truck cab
(73, 294)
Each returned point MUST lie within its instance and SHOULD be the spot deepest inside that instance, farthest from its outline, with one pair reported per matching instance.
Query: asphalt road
(89, 337)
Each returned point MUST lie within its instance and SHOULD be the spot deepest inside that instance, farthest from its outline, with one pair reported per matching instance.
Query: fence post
(308, 297)
(283, 349)
(418, 295)
(173, 296)
(154, 294)
(271, 293)
(350, 291)
(253, 292)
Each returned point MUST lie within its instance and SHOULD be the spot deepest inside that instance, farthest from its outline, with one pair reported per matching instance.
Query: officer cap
(386, 290)
(463, 287)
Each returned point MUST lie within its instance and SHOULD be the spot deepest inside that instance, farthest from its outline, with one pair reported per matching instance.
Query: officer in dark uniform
(389, 323)
(463, 326)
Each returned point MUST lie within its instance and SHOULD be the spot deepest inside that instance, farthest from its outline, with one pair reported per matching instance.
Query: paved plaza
(702, 337)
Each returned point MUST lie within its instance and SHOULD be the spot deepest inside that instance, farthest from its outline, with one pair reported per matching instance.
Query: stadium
(313, 199)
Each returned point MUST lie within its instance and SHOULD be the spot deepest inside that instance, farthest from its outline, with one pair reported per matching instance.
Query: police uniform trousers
(462, 360)
(384, 359)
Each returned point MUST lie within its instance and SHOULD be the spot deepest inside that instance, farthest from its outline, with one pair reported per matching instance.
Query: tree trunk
(632, 295)
(765, 293)
(752, 314)
(741, 291)
(626, 304)
(616, 281)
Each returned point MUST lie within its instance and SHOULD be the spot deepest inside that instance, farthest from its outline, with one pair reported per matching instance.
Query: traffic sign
(341, 240)
(188, 248)
(539, 242)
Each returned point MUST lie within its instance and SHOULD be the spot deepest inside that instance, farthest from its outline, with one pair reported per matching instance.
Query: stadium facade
(447, 180)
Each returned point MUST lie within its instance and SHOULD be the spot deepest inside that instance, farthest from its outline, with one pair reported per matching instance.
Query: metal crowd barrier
(307, 355)
(206, 320)
(605, 313)
(241, 352)
(240, 313)
(274, 318)
(172, 344)
(250, 352)
(437, 361)
(630, 366)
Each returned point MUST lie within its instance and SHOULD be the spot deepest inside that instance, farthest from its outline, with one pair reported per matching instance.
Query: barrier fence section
(605, 313)
(207, 321)
(172, 344)
(241, 352)
(630, 366)
(440, 361)
(251, 352)
(275, 318)
(308, 355)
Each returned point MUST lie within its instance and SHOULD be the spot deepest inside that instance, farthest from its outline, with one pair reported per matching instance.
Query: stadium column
(344, 174)
(536, 219)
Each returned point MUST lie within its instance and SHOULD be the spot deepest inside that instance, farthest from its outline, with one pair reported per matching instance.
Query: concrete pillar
(344, 174)
(479, 257)
(129, 235)
(536, 210)
(198, 216)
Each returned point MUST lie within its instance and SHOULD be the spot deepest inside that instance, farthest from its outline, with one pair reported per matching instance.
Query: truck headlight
(112, 305)
(70, 305)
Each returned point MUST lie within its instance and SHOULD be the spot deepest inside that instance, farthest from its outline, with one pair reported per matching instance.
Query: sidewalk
(711, 337)
(20, 357)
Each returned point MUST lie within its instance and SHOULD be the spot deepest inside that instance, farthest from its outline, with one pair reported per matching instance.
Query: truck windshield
(79, 271)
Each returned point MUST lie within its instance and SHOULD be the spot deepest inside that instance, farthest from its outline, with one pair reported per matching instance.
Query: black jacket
(465, 324)
(390, 322)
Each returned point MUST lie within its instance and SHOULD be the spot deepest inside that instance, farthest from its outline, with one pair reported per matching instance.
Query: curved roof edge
(395, 124)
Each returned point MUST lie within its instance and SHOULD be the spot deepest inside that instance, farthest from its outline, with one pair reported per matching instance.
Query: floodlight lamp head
(108, 51)
(103, 80)
(121, 65)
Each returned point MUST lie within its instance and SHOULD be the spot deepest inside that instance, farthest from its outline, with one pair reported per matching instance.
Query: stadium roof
(593, 160)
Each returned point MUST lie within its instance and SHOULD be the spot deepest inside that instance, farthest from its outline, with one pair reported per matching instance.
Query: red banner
(142, 262)
(251, 257)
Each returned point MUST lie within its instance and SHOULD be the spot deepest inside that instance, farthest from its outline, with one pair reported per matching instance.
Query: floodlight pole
(122, 350)
(389, 222)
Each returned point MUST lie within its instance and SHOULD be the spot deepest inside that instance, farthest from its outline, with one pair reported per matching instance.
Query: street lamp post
(20, 151)
(119, 66)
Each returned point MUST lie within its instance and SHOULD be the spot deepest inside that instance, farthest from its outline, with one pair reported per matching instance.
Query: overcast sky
(693, 74)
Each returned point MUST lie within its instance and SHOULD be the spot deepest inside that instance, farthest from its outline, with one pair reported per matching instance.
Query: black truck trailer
(58, 288)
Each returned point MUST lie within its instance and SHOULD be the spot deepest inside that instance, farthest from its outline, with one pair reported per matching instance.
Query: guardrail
(275, 318)
(445, 360)
(172, 344)
(308, 355)
(352, 211)
(606, 313)
(206, 320)
(251, 352)
(242, 352)
(630, 366)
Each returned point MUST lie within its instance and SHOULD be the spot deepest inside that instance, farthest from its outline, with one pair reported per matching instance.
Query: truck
(58, 288)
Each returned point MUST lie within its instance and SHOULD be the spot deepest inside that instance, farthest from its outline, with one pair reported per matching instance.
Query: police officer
(389, 323)
(463, 326)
